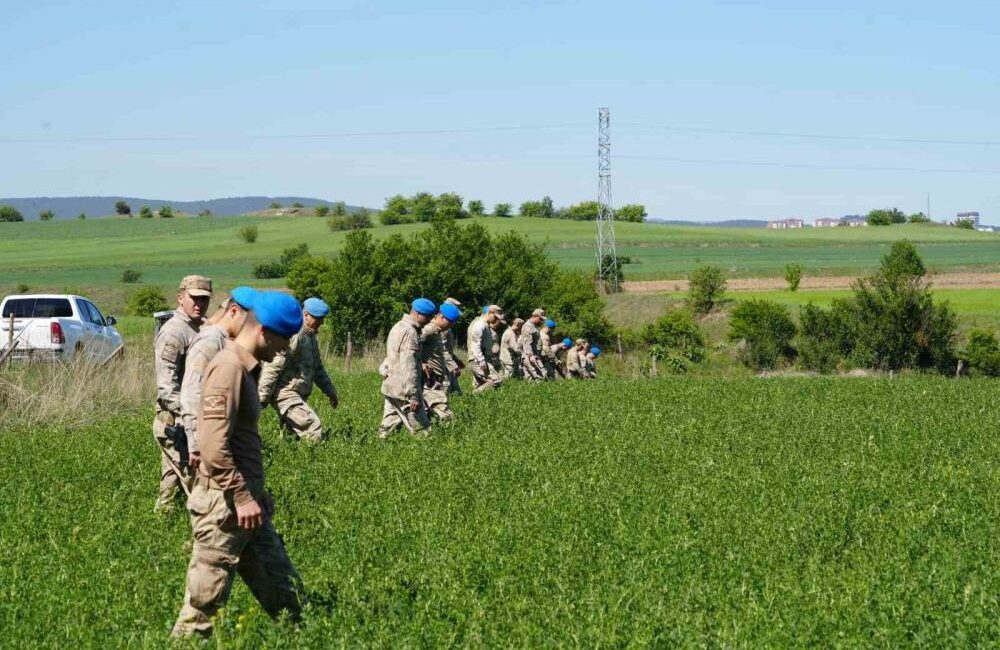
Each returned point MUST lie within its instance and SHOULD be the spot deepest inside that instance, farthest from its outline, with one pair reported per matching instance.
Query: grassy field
(675, 512)
(93, 253)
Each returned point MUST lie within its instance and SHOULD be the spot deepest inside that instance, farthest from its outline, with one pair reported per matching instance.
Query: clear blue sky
(207, 76)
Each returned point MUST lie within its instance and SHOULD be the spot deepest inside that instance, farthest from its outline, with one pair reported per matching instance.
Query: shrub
(82, 215)
(576, 307)
(275, 205)
(820, 333)
(279, 268)
(634, 212)
(322, 210)
(146, 302)
(982, 353)
(919, 217)
(123, 209)
(541, 209)
(9, 213)
(765, 329)
(205, 213)
(248, 234)
(297, 205)
(675, 333)
(965, 224)
(166, 212)
(886, 217)
(22, 288)
(46, 215)
(476, 208)
(145, 212)
(706, 286)
(502, 210)
(131, 276)
(793, 276)
(357, 221)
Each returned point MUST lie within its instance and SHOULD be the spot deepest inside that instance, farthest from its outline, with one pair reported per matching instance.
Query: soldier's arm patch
(169, 353)
(213, 407)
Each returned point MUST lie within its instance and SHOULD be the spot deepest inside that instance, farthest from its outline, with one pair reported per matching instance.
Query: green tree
(297, 205)
(706, 286)
(46, 215)
(676, 333)
(145, 212)
(793, 276)
(502, 210)
(340, 209)
(965, 223)
(248, 233)
(902, 262)
(322, 210)
(476, 208)
(82, 215)
(885, 217)
(275, 205)
(396, 210)
(449, 206)
(982, 353)
(166, 212)
(633, 212)
(9, 214)
(423, 206)
(764, 330)
(919, 217)
(145, 302)
(541, 209)
(122, 208)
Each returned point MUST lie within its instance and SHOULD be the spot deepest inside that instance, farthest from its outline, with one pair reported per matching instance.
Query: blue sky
(210, 82)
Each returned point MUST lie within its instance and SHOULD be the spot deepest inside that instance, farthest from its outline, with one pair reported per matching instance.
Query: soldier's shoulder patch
(213, 407)
(170, 352)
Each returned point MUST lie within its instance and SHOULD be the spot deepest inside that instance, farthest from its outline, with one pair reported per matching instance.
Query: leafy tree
(339, 209)
(983, 353)
(449, 206)
(886, 217)
(82, 215)
(541, 209)
(166, 212)
(502, 210)
(146, 302)
(131, 276)
(614, 268)
(965, 223)
(275, 205)
(145, 212)
(764, 330)
(357, 221)
(423, 206)
(279, 268)
(396, 210)
(322, 210)
(820, 333)
(576, 307)
(205, 213)
(248, 234)
(634, 212)
(706, 286)
(919, 217)
(676, 333)
(46, 215)
(585, 211)
(476, 208)
(9, 214)
(793, 276)
(122, 208)
(297, 205)
(902, 262)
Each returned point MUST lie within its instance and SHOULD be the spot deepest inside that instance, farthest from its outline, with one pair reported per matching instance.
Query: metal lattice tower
(607, 256)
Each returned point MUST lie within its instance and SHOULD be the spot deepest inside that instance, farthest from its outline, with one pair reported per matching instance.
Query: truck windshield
(37, 308)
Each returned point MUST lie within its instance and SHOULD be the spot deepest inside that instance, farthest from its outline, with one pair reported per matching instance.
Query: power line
(765, 163)
(814, 136)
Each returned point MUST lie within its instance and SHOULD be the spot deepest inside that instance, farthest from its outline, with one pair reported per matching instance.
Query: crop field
(672, 512)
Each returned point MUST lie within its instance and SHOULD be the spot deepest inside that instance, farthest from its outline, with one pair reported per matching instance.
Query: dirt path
(941, 281)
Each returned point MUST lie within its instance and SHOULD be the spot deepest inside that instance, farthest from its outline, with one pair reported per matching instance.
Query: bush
(765, 330)
(793, 276)
(357, 221)
(46, 215)
(540, 209)
(502, 210)
(675, 334)
(983, 353)
(965, 224)
(82, 215)
(9, 214)
(322, 210)
(820, 333)
(279, 268)
(166, 212)
(886, 217)
(476, 208)
(145, 212)
(146, 302)
(123, 209)
(131, 276)
(248, 234)
(22, 288)
(578, 311)
(706, 286)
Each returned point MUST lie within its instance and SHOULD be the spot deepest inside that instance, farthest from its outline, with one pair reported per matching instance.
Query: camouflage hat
(452, 301)
(581, 341)
(196, 285)
(496, 309)
(538, 312)
(517, 321)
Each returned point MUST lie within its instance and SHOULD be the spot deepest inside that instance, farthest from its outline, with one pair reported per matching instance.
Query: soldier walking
(589, 367)
(531, 353)
(548, 352)
(288, 381)
(224, 325)
(561, 351)
(170, 348)
(575, 359)
(455, 365)
(480, 348)
(510, 356)
(230, 510)
(434, 362)
(403, 385)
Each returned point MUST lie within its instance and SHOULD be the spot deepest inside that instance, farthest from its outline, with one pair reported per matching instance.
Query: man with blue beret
(545, 334)
(589, 367)
(455, 365)
(287, 382)
(434, 363)
(561, 352)
(221, 326)
(230, 509)
(402, 388)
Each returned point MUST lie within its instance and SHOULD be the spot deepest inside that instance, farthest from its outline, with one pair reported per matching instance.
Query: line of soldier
(214, 375)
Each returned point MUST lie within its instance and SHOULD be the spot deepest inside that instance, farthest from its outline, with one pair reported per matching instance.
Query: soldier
(225, 324)
(434, 362)
(548, 352)
(561, 351)
(589, 368)
(170, 348)
(403, 388)
(575, 359)
(290, 377)
(455, 365)
(480, 346)
(230, 510)
(531, 353)
(510, 356)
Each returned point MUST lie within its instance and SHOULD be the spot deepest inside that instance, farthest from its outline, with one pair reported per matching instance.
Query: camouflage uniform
(510, 356)
(559, 365)
(170, 348)
(290, 378)
(454, 363)
(589, 368)
(531, 354)
(232, 474)
(436, 374)
(206, 344)
(548, 357)
(574, 367)
(403, 382)
(480, 347)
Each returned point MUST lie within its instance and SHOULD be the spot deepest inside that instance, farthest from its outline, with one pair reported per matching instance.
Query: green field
(676, 512)
(93, 253)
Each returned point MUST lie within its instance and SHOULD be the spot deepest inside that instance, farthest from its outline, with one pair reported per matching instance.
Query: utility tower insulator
(607, 256)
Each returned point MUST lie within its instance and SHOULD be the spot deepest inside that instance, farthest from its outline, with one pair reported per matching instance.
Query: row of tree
(889, 216)
(423, 207)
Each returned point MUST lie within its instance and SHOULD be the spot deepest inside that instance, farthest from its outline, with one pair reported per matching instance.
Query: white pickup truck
(52, 327)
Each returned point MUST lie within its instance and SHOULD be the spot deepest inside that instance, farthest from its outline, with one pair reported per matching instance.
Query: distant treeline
(424, 206)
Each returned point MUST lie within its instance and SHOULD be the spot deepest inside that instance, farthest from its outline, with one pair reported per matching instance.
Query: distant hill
(731, 223)
(69, 207)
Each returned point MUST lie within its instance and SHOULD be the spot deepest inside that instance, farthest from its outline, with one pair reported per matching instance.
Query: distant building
(782, 224)
(986, 229)
(971, 216)
(854, 220)
(826, 222)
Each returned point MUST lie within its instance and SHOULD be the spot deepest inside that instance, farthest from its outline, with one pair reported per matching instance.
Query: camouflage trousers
(391, 419)
(486, 376)
(511, 369)
(436, 400)
(169, 480)
(299, 418)
(221, 550)
(532, 369)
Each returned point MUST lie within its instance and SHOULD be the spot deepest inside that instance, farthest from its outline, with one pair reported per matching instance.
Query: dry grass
(74, 394)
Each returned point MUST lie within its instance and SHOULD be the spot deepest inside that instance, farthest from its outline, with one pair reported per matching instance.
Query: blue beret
(595, 351)
(424, 307)
(244, 296)
(486, 309)
(450, 312)
(567, 342)
(278, 312)
(550, 323)
(316, 307)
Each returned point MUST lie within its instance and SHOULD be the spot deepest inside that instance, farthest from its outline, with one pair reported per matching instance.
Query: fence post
(347, 361)
(620, 346)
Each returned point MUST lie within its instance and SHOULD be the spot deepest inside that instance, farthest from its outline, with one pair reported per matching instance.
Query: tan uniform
(403, 382)
(170, 348)
(480, 347)
(531, 353)
(510, 356)
(454, 363)
(548, 357)
(589, 368)
(206, 344)
(435, 371)
(232, 474)
(559, 365)
(573, 366)
(288, 381)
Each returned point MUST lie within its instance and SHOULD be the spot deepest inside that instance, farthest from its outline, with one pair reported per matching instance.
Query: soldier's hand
(194, 459)
(414, 405)
(249, 515)
(334, 401)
